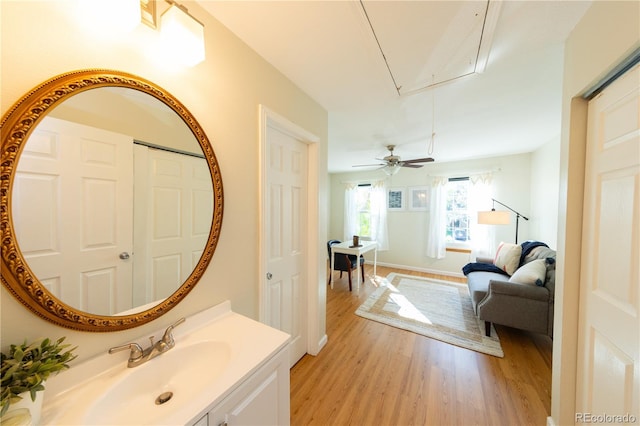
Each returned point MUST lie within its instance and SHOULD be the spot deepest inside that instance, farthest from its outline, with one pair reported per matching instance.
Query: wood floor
(373, 374)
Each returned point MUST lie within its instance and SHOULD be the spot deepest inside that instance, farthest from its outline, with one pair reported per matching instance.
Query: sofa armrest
(516, 305)
(525, 291)
(488, 260)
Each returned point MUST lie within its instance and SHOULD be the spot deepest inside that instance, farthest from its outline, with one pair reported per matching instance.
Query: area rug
(437, 309)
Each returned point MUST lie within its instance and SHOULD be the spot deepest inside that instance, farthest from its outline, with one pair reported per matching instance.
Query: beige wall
(156, 124)
(606, 35)
(545, 178)
(44, 39)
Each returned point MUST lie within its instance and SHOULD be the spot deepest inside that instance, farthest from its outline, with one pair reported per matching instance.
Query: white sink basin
(149, 392)
(215, 350)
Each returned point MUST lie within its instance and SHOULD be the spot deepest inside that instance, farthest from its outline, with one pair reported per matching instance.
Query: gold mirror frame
(16, 126)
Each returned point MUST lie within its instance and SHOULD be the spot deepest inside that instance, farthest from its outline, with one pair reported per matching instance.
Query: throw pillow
(508, 257)
(533, 273)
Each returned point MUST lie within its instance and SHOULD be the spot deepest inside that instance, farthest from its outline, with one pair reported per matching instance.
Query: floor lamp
(498, 217)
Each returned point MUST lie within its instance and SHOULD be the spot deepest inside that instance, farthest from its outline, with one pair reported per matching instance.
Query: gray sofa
(527, 307)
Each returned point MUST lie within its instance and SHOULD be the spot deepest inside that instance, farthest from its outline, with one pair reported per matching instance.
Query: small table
(346, 248)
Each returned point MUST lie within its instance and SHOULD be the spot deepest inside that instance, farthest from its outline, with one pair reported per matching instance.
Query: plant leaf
(26, 366)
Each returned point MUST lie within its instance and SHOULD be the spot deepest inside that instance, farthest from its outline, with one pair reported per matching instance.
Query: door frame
(269, 118)
(569, 250)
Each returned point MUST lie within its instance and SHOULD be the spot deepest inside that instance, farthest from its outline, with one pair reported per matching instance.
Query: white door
(608, 381)
(73, 216)
(286, 233)
(174, 205)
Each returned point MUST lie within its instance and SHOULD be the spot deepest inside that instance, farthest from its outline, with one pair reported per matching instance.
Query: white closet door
(72, 205)
(174, 199)
(609, 328)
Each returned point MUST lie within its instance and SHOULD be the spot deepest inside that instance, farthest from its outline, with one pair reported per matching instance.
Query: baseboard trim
(417, 269)
(550, 421)
(321, 344)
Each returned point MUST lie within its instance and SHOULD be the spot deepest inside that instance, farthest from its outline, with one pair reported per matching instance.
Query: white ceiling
(485, 76)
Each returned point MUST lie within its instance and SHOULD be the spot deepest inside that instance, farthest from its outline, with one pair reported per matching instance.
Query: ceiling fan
(393, 163)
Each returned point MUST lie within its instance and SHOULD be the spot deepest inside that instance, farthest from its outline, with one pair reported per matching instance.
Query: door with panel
(174, 205)
(608, 380)
(74, 187)
(286, 230)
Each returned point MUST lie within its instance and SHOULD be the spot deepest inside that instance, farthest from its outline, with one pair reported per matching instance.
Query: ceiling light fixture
(182, 34)
(148, 13)
(391, 169)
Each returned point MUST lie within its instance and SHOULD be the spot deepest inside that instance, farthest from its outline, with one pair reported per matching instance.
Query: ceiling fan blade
(412, 166)
(368, 165)
(420, 160)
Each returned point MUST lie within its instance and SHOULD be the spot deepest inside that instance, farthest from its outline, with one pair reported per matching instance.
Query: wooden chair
(343, 263)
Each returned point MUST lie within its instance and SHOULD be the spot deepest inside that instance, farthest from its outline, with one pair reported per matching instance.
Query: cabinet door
(258, 407)
(262, 400)
(204, 421)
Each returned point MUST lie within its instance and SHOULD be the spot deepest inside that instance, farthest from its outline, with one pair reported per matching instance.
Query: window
(365, 212)
(363, 207)
(458, 220)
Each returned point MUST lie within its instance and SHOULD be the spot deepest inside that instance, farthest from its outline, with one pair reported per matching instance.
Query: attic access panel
(427, 39)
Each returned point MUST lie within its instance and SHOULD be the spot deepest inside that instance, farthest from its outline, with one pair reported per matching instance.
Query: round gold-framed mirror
(19, 276)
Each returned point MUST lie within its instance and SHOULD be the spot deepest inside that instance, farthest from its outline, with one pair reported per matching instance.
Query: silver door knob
(124, 255)
(269, 275)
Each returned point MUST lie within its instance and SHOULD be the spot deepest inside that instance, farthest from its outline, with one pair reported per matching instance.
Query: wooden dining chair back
(344, 263)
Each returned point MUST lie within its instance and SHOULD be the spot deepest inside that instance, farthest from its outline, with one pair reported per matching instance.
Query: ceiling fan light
(391, 169)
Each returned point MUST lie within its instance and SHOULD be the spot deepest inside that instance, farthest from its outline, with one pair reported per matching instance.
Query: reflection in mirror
(111, 200)
(106, 222)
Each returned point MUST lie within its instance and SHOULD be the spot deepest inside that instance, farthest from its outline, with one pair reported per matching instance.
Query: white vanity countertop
(251, 343)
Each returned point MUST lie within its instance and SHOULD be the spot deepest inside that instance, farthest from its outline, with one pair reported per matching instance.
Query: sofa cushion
(532, 273)
(539, 253)
(545, 253)
(478, 283)
(508, 257)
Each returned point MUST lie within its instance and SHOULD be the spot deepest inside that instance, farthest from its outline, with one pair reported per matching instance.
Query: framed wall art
(395, 199)
(419, 198)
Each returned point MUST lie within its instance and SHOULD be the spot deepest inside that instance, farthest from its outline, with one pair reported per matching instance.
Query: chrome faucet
(139, 356)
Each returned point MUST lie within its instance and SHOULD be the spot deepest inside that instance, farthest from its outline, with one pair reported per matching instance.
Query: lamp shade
(183, 35)
(494, 217)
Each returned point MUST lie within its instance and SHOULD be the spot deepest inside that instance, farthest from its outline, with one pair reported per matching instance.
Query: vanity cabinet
(224, 369)
(261, 399)
(204, 421)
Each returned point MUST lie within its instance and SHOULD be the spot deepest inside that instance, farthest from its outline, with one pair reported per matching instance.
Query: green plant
(27, 366)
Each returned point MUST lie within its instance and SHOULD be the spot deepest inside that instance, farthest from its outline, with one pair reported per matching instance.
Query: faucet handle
(167, 338)
(136, 350)
(177, 323)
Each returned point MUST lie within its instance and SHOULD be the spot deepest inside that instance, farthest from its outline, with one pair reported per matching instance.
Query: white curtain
(351, 227)
(437, 231)
(378, 199)
(482, 236)
(378, 212)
